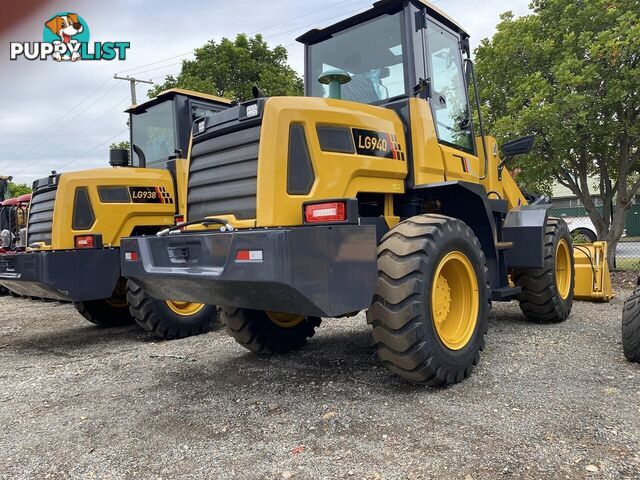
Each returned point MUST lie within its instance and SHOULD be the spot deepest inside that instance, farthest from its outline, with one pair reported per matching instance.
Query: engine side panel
(375, 161)
(139, 197)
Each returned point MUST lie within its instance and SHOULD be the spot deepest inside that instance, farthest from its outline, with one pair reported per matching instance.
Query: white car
(583, 230)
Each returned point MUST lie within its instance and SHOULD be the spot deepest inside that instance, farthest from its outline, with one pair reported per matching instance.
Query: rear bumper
(75, 275)
(319, 270)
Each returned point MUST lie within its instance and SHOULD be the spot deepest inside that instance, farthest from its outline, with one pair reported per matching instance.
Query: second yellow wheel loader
(76, 221)
(371, 192)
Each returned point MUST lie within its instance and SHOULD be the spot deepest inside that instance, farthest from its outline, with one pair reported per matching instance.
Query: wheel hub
(563, 269)
(285, 320)
(455, 300)
(442, 300)
(184, 309)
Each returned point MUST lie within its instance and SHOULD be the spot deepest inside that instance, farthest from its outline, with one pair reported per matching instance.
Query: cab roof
(379, 8)
(173, 92)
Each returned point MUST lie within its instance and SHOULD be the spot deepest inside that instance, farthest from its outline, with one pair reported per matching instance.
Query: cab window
(449, 92)
(371, 53)
(199, 111)
(153, 135)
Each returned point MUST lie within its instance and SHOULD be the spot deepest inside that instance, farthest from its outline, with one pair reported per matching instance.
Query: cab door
(449, 103)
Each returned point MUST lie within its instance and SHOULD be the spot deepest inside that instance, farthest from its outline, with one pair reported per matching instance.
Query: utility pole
(132, 82)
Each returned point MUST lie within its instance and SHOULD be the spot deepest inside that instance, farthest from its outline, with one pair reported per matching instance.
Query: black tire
(3, 291)
(404, 329)
(588, 235)
(255, 331)
(110, 312)
(540, 300)
(104, 313)
(155, 317)
(631, 327)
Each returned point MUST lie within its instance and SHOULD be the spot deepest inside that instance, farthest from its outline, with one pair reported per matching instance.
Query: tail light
(85, 241)
(179, 219)
(326, 212)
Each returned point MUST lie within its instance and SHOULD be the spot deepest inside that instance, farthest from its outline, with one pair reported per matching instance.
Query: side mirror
(520, 146)
(257, 93)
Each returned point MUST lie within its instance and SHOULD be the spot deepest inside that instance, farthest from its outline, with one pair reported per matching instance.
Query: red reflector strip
(131, 256)
(84, 241)
(325, 212)
(249, 256)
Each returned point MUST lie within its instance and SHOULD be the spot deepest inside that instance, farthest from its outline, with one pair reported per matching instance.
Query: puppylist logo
(65, 37)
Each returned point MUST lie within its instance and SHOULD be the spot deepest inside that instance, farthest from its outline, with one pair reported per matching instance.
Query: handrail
(472, 70)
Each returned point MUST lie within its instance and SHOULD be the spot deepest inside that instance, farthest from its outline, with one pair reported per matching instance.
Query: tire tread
(396, 314)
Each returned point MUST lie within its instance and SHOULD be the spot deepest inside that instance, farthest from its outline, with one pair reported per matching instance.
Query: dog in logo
(65, 27)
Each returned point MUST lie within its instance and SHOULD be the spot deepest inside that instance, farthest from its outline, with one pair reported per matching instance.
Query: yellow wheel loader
(371, 192)
(76, 221)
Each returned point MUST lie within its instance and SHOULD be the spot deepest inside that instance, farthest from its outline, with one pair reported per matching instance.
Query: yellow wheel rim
(563, 269)
(119, 297)
(455, 300)
(184, 309)
(285, 320)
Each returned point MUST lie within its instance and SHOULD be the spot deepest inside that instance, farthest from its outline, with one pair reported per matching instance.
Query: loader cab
(160, 128)
(392, 52)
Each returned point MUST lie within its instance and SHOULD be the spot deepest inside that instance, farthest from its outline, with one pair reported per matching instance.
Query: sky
(63, 116)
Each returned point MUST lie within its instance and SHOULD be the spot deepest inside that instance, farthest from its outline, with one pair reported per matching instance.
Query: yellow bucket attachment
(593, 281)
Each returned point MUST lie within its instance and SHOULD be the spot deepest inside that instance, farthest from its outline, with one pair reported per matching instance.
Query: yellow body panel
(182, 172)
(432, 161)
(344, 175)
(592, 278)
(427, 157)
(337, 175)
(501, 187)
(459, 165)
(112, 220)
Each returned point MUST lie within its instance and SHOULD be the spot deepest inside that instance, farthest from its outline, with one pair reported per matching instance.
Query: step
(504, 245)
(505, 294)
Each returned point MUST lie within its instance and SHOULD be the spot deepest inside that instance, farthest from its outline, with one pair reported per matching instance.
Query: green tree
(18, 189)
(231, 68)
(570, 74)
(124, 145)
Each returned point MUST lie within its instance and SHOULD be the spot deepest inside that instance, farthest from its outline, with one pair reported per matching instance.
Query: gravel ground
(554, 401)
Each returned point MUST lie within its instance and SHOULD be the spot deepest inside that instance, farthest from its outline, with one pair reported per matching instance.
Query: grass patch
(632, 264)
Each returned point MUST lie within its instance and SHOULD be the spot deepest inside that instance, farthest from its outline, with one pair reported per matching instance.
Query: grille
(41, 215)
(223, 175)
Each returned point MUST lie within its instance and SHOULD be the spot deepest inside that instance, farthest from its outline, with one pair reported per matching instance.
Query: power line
(52, 125)
(79, 156)
(94, 148)
(132, 85)
(268, 37)
(85, 128)
(326, 7)
(59, 127)
(96, 120)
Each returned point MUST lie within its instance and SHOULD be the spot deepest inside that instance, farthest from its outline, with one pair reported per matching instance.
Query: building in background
(567, 205)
